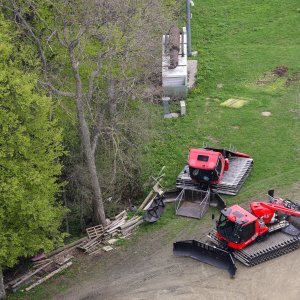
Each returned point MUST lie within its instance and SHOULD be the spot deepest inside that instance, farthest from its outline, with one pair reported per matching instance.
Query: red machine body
(239, 227)
(207, 165)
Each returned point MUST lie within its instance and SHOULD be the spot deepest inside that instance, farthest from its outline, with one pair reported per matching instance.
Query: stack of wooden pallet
(99, 237)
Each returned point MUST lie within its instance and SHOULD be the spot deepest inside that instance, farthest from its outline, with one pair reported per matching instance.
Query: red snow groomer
(208, 173)
(268, 230)
(222, 170)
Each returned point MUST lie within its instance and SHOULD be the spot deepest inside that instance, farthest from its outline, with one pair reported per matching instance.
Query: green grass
(237, 42)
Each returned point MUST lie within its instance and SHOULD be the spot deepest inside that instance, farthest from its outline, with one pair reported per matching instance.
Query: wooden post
(2, 290)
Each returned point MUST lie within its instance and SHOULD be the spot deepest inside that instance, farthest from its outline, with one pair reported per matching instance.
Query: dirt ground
(147, 269)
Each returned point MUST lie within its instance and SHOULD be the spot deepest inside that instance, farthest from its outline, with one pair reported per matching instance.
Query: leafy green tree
(98, 57)
(30, 151)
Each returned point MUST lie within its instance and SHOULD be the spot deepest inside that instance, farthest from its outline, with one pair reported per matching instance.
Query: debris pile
(99, 237)
(154, 204)
(42, 270)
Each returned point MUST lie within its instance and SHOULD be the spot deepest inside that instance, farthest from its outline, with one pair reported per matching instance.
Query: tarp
(155, 210)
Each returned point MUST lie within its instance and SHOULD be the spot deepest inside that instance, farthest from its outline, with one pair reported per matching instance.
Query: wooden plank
(121, 214)
(149, 203)
(90, 243)
(116, 226)
(146, 199)
(64, 259)
(68, 246)
(30, 275)
(128, 230)
(99, 250)
(63, 267)
(117, 221)
(93, 248)
(160, 172)
(158, 190)
(94, 242)
(41, 262)
(130, 223)
(155, 188)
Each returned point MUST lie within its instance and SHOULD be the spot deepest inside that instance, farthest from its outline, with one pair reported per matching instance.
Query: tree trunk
(98, 208)
(2, 290)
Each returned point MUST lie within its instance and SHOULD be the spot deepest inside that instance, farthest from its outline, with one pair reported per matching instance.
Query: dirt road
(148, 270)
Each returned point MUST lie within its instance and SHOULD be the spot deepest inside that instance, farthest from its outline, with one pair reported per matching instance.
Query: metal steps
(232, 180)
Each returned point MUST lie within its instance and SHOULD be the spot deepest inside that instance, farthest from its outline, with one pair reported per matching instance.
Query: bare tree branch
(94, 76)
(55, 91)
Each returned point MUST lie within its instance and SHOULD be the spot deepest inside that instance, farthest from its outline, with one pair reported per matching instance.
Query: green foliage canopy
(30, 151)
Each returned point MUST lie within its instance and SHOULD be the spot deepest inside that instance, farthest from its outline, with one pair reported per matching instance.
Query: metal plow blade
(206, 253)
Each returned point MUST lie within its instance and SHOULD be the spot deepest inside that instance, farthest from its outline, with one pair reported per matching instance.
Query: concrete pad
(192, 72)
(266, 113)
(171, 115)
(234, 103)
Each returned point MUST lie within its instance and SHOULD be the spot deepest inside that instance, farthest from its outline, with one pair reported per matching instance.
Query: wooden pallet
(95, 231)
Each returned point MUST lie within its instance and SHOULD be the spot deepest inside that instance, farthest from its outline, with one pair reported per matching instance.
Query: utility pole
(188, 27)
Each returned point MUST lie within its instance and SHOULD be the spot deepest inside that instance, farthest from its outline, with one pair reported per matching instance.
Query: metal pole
(188, 27)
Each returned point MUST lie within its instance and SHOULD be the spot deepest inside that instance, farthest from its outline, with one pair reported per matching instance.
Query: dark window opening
(203, 175)
(203, 157)
(247, 232)
(233, 231)
(228, 229)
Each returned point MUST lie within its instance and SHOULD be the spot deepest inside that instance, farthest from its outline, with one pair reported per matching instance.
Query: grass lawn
(240, 44)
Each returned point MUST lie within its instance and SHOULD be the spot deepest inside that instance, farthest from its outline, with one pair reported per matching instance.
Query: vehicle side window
(247, 232)
(219, 166)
